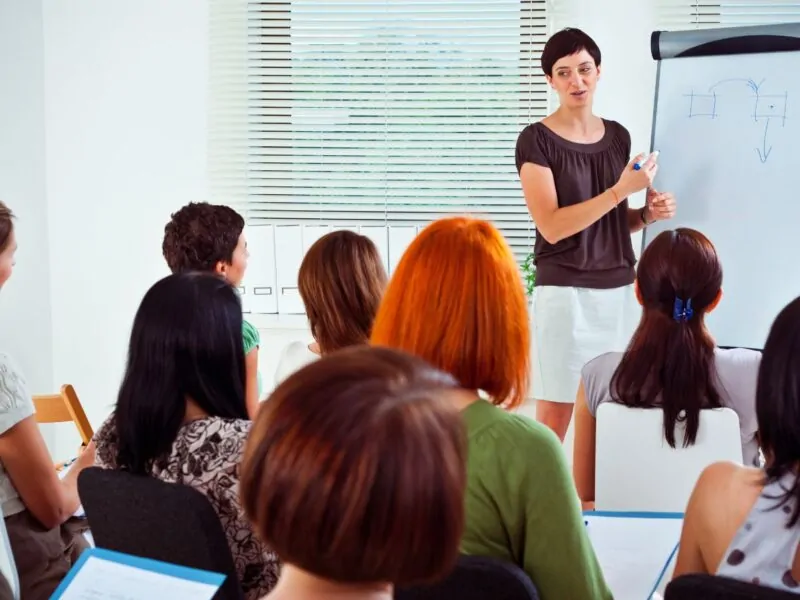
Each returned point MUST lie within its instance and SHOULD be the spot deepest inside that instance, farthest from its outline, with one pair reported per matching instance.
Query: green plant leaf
(529, 274)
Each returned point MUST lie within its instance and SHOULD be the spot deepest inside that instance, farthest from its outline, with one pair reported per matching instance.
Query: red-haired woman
(456, 300)
(672, 362)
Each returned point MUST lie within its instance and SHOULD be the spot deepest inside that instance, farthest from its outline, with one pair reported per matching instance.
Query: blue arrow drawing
(763, 152)
(749, 82)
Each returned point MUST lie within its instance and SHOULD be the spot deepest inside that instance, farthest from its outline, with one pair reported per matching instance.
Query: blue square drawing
(770, 106)
(702, 105)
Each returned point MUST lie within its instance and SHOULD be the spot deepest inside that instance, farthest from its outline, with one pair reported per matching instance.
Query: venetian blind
(686, 14)
(374, 112)
(683, 14)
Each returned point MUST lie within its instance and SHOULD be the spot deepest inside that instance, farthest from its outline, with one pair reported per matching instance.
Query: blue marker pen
(638, 165)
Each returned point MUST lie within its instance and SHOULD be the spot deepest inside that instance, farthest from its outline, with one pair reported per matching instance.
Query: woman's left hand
(660, 205)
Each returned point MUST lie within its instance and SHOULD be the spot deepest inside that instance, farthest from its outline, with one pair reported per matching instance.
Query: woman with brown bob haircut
(341, 281)
(456, 300)
(354, 475)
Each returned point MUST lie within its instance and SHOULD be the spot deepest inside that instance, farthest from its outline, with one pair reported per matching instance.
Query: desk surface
(636, 550)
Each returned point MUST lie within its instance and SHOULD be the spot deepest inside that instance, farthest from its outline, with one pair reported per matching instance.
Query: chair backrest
(635, 468)
(146, 517)
(8, 567)
(711, 587)
(63, 407)
(476, 578)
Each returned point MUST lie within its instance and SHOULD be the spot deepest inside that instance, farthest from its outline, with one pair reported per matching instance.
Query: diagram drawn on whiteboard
(766, 107)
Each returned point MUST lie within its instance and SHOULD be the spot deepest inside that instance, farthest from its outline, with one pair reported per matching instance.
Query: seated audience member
(181, 414)
(210, 238)
(36, 504)
(456, 300)
(341, 281)
(743, 522)
(354, 473)
(672, 362)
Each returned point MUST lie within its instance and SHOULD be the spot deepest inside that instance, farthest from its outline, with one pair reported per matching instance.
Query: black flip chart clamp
(783, 37)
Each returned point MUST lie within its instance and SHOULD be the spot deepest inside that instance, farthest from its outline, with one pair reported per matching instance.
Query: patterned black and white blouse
(206, 456)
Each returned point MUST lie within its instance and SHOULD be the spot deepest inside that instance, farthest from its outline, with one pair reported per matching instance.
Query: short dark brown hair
(354, 470)
(341, 281)
(200, 235)
(567, 42)
(6, 226)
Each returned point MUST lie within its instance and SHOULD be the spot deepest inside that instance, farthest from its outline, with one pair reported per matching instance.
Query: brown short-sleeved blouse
(206, 455)
(600, 256)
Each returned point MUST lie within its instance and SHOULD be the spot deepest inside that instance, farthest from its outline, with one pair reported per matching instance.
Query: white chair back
(635, 468)
(7, 565)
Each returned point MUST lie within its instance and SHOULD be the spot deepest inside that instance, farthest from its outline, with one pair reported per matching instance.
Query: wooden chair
(63, 408)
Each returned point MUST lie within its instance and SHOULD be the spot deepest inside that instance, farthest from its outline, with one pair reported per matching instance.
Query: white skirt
(571, 326)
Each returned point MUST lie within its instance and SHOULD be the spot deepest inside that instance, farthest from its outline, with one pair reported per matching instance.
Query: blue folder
(146, 564)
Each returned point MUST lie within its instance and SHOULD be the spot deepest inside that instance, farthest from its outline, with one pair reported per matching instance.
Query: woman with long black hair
(741, 522)
(181, 414)
(672, 362)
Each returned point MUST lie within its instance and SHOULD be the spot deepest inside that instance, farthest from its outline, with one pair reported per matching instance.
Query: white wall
(125, 108)
(25, 326)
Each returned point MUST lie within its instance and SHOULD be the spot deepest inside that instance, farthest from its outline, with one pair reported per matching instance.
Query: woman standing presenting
(576, 175)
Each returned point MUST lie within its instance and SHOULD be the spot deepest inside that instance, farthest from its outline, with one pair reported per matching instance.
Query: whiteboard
(726, 128)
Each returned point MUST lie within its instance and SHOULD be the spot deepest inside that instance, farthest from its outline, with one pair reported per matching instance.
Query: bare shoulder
(552, 123)
(728, 474)
(728, 484)
(722, 498)
(549, 120)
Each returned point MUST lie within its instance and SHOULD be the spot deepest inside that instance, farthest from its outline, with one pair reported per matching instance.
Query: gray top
(762, 551)
(737, 374)
(16, 404)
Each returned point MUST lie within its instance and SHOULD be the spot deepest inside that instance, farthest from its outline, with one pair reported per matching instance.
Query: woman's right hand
(633, 180)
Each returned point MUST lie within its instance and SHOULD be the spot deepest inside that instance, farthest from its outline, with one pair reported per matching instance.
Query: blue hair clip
(682, 311)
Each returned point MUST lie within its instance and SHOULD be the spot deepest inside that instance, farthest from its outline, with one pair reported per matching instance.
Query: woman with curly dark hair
(210, 238)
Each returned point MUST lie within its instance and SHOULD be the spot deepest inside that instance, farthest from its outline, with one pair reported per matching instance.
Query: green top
(522, 505)
(252, 340)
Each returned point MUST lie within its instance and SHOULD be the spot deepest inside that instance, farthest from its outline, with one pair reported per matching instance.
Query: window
(686, 14)
(758, 12)
(374, 112)
(682, 14)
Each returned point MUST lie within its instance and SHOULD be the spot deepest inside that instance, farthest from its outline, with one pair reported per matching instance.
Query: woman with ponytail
(672, 362)
(744, 523)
